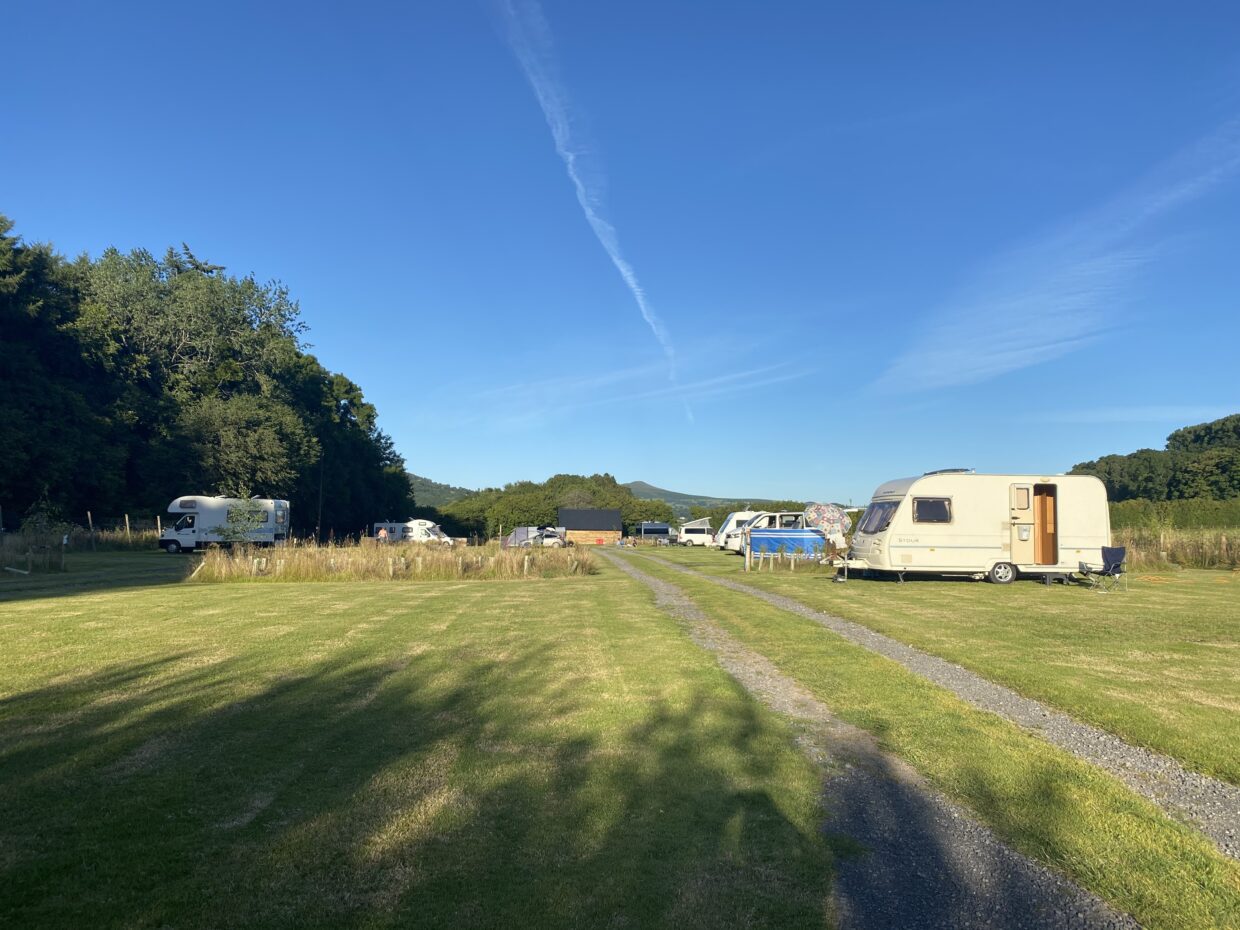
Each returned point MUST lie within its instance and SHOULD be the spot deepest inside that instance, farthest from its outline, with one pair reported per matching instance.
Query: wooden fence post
(90, 522)
(127, 526)
(159, 526)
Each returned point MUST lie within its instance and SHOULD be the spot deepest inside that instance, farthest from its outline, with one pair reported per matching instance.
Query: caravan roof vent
(953, 471)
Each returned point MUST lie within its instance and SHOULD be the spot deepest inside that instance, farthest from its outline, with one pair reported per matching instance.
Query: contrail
(530, 40)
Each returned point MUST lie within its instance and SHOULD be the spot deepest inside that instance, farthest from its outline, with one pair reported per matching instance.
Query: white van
(764, 520)
(989, 526)
(696, 536)
(732, 522)
(201, 521)
(424, 531)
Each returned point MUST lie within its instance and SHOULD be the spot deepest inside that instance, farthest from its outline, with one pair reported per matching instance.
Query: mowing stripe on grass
(1044, 801)
(1213, 806)
(927, 862)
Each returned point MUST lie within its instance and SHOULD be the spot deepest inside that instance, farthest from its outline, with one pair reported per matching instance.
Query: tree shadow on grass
(424, 789)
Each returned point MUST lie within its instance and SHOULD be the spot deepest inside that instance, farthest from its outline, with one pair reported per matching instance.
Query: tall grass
(1188, 548)
(405, 562)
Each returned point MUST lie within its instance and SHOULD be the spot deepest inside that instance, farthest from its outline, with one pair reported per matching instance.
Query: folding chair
(1110, 574)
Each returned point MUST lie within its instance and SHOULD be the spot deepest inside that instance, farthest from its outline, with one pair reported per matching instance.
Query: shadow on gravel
(924, 866)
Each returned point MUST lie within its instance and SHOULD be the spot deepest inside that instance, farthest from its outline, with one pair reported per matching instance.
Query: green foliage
(1200, 461)
(527, 503)
(433, 494)
(130, 380)
(1197, 513)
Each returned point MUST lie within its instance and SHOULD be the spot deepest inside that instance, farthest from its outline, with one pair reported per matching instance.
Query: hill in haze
(427, 493)
(682, 502)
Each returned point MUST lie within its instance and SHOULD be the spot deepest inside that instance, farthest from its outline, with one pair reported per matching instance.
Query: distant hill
(427, 493)
(682, 502)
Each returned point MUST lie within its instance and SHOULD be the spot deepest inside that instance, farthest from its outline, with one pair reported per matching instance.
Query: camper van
(424, 531)
(733, 521)
(203, 521)
(697, 533)
(996, 527)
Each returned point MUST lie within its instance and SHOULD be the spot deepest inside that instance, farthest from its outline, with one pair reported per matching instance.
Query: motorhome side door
(1021, 507)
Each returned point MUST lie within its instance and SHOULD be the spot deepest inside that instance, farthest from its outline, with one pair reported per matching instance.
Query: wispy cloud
(530, 39)
(1058, 294)
(528, 403)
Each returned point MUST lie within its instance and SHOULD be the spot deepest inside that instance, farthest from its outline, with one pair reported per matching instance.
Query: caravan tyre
(172, 547)
(1002, 573)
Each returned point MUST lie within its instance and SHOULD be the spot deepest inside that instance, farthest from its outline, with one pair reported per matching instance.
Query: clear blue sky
(733, 249)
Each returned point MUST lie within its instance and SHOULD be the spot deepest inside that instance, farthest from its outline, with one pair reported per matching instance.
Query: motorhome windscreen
(877, 517)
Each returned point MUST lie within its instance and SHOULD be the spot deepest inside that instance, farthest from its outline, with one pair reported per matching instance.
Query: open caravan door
(1021, 506)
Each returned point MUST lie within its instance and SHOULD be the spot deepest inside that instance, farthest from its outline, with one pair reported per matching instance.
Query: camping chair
(1110, 574)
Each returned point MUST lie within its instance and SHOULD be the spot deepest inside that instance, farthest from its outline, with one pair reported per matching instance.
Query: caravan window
(877, 517)
(185, 523)
(932, 510)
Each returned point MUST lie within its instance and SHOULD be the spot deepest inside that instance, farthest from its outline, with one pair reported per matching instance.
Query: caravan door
(1021, 511)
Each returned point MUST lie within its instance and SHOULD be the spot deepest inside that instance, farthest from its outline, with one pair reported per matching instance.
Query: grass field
(542, 753)
(1158, 665)
(1041, 799)
(512, 754)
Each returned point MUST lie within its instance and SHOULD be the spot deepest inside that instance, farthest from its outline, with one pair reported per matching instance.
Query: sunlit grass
(1041, 799)
(1158, 664)
(553, 754)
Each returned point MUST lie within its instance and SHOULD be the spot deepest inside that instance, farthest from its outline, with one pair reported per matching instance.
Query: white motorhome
(989, 526)
(204, 521)
(424, 531)
(733, 521)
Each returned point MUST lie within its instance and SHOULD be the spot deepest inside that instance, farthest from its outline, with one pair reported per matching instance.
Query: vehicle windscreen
(877, 517)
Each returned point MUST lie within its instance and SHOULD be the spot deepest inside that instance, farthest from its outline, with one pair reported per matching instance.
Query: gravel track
(926, 865)
(1210, 805)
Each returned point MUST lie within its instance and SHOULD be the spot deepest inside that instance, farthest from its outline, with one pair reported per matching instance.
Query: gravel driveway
(925, 863)
(1212, 806)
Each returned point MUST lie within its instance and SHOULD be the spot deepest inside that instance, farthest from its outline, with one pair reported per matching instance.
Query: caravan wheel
(1002, 573)
(172, 547)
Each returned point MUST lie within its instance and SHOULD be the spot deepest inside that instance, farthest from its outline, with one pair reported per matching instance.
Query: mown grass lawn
(505, 754)
(1158, 665)
(1041, 799)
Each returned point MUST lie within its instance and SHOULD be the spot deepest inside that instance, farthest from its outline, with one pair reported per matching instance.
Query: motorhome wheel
(1002, 573)
(172, 547)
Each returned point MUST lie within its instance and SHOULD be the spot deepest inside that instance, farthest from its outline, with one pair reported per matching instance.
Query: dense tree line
(527, 503)
(1200, 461)
(130, 380)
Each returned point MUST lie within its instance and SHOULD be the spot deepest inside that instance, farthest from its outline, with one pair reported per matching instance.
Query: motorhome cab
(731, 523)
(202, 521)
(412, 531)
(991, 526)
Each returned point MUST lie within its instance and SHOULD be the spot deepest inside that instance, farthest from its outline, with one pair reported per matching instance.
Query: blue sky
(666, 240)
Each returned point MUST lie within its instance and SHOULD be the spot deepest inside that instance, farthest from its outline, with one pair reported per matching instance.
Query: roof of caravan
(704, 522)
(901, 486)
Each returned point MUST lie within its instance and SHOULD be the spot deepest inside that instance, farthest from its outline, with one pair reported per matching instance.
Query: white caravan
(733, 521)
(203, 521)
(987, 526)
(424, 531)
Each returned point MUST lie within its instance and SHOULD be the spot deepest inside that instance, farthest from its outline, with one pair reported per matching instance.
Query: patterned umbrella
(827, 517)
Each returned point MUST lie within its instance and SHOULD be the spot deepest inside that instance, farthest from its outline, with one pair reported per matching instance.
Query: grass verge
(1042, 800)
